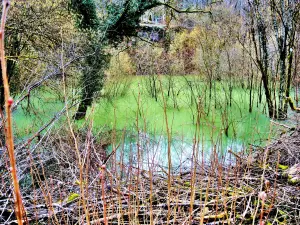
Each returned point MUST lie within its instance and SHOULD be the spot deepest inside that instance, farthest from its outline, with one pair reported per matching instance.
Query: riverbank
(261, 186)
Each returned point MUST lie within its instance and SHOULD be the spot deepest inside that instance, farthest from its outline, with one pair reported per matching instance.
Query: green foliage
(86, 14)
(92, 77)
(122, 20)
(96, 61)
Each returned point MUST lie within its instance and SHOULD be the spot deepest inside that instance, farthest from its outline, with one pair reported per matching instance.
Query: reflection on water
(153, 150)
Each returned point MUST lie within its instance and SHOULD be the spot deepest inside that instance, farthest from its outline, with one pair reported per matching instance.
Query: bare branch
(185, 11)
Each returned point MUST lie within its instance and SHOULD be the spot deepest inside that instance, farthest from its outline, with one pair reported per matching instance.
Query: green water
(43, 105)
(137, 107)
(139, 113)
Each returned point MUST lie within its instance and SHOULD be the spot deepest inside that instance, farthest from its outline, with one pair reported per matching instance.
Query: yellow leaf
(283, 167)
(72, 197)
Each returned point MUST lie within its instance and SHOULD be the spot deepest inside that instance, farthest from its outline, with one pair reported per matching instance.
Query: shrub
(118, 75)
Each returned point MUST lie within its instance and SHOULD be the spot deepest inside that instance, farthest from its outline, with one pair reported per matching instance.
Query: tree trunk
(81, 111)
(92, 78)
(262, 55)
(289, 79)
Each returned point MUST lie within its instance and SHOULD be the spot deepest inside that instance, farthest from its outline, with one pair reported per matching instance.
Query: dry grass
(121, 193)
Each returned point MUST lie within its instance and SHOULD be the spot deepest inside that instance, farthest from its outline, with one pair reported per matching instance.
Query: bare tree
(269, 19)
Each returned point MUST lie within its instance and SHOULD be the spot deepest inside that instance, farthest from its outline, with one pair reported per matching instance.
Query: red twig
(8, 131)
(102, 177)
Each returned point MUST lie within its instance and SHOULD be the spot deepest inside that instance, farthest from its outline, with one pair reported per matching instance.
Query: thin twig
(8, 131)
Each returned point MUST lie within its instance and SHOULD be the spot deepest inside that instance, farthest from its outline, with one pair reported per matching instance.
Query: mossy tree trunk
(92, 78)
